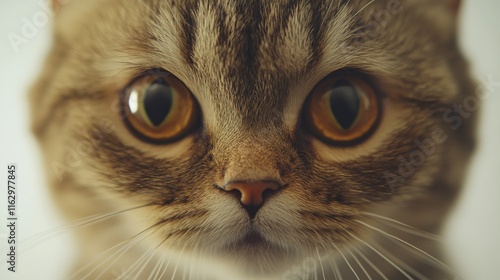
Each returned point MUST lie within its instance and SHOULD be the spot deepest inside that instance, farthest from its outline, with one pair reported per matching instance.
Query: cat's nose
(252, 193)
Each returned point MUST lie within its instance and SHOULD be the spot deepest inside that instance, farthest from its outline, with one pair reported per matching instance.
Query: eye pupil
(158, 101)
(344, 103)
(342, 109)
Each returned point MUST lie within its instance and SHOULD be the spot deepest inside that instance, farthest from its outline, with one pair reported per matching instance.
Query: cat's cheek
(392, 119)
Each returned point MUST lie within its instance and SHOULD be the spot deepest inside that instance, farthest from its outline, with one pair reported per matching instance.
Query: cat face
(251, 158)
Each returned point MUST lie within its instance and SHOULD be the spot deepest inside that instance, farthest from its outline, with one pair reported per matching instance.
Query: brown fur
(251, 66)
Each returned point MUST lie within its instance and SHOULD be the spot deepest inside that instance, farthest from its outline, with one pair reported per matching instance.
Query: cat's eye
(342, 109)
(158, 107)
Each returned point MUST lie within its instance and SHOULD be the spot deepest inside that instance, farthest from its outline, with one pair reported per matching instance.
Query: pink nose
(252, 192)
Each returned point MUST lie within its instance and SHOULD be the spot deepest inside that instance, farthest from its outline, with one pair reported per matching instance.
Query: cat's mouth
(253, 242)
(252, 238)
(254, 254)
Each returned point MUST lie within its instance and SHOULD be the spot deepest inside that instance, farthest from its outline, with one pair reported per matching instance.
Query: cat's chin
(255, 256)
(252, 244)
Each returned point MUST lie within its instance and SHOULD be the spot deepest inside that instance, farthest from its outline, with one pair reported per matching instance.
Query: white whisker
(345, 259)
(184, 272)
(164, 269)
(359, 264)
(32, 241)
(175, 269)
(122, 251)
(138, 263)
(125, 243)
(197, 258)
(321, 264)
(381, 255)
(156, 268)
(364, 7)
(402, 264)
(182, 251)
(435, 260)
(149, 259)
(406, 228)
(336, 270)
(370, 263)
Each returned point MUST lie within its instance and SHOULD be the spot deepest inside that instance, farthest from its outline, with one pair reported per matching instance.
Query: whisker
(435, 261)
(175, 269)
(191, 270)
(177, 262)
(404, 227)
(321, 264)
(156, 268)
(381, 255)
(336, 270)
(97, 258)
(184, 272)
(131, 242)
(124, 249)
(370, 263)
(345, 259)
(156, 226)
(32, 241)
(115, 258)
(364, 7)
(197, 260)
(359, 264)
(402, 264)
(165, 268)
(149, 258)
(138, 264)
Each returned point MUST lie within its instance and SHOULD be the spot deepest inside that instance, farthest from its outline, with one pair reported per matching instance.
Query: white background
(474, 230)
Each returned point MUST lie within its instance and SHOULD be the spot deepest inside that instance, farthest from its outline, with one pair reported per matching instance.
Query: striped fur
(251, 65)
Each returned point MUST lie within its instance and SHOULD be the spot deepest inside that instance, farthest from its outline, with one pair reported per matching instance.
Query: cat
(255, 139)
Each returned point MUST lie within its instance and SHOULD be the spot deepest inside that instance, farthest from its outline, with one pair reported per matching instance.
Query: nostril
(268, 193)
(236, 194)
(252, 194)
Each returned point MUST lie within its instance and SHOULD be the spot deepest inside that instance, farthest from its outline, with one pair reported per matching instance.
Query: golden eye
(158, 107)
(342, 110)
